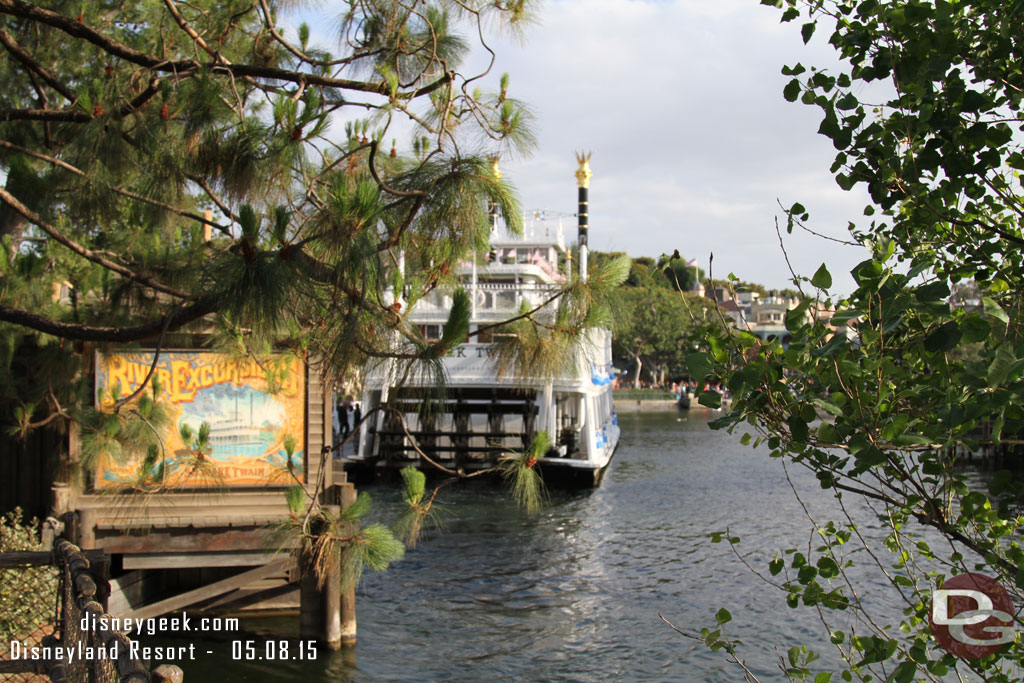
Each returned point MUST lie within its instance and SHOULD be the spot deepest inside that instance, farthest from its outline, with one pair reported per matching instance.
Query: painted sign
(252, 413)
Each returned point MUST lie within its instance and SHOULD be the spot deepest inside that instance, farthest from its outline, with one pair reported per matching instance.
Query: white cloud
(693, 143)
(681, 103)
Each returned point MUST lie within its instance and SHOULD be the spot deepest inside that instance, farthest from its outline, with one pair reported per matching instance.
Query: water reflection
(573, 593)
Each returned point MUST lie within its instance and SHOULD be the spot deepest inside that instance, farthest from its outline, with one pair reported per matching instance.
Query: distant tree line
(655, 316)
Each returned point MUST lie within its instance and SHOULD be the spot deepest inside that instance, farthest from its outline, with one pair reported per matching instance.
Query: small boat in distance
(481, 415)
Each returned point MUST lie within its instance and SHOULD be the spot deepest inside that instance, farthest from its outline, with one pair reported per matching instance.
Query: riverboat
(482, 415)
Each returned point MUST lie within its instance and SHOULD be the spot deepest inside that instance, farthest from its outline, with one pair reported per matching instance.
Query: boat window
(506, 300)
(431, 332)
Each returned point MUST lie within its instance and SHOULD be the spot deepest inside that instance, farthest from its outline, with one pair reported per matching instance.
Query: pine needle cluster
(329, 543)
(418, 512)
(523, 475)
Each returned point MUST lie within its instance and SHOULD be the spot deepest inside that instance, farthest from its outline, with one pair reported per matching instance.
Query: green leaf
(994, 309)
(822, 278)
(456, 329)
(828, 406)
(1001, 365)
(796, 317)
(847, 102)
(249, 223)
(615, 270)
(415, 485)
(974, 328)
(845, 315)
(359, 508)
(798, 428)
(722, 616)
(378, 547)
(807, 30)
(792, 90)
(904, 673)
(933, 291)
(710, 399)
(869, 457)
(699, 364)
(944, 338)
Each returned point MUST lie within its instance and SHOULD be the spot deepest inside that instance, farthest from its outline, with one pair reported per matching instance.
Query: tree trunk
(639, 364)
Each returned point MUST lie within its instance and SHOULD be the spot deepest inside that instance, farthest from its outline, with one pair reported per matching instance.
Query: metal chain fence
(28, 595)
(101, 655)
(51, 615)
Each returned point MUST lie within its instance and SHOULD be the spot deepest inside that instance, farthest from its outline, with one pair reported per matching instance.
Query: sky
(693, 146)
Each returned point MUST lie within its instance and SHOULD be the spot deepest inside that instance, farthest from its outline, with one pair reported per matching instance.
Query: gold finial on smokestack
(494, 166)
(583, 173)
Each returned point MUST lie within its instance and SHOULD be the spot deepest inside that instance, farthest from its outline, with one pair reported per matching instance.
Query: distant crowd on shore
(677, 389)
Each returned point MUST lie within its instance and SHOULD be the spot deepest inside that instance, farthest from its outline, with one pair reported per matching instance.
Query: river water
(573, 593)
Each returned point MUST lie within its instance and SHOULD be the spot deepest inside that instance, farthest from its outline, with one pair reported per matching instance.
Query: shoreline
(644, 405)
(630, 405)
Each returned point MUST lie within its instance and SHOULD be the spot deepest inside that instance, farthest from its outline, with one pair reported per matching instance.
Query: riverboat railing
(491, 297)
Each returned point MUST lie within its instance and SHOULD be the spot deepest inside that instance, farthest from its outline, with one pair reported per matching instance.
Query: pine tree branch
(215, 198)
(384, 186)
(54, 115)
(31, 64)
(88, 254)
(139, 100)
(269, 25)
(77, 29)
(4, 144)
(152, 369)
(74, 331)
(280, 39)
(76, 115)
(196, 38)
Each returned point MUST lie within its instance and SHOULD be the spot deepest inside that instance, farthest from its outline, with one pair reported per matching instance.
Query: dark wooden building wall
(26, 467)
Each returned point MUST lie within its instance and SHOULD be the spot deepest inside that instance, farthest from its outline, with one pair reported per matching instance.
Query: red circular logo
(972, 616)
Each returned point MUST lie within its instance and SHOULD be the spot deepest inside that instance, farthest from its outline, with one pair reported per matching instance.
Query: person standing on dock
(344, 413)
(357, 417)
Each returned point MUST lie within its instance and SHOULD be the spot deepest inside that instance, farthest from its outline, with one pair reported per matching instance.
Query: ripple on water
(573, 593)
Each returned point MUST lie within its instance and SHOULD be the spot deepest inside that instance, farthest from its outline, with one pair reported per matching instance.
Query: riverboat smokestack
(583, 175)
